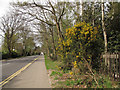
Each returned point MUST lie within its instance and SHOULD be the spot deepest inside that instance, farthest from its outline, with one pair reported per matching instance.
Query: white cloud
(4, 5)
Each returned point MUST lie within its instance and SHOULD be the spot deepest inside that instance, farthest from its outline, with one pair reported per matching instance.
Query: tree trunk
(48, 52)
(81, 6)
(10, 52)
(103, 27)
(93, 14)
(53, 43)
(9, 47)
(59, 31)
(104, 31)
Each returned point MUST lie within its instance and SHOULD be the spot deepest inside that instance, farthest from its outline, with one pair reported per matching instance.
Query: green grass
(56, 78)
(56, 73)
(50, 64)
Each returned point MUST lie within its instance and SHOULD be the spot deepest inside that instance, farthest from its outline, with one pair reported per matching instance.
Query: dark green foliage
(114, 27)
(5, 55)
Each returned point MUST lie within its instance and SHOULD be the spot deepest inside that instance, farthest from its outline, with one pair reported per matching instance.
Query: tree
(113, 29)
(10, 25)
(45, 10)
(103, 27)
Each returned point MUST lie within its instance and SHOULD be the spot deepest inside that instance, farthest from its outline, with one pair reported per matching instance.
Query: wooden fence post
(101, 67)
(110, 68)
(119, 64)
(114, 66)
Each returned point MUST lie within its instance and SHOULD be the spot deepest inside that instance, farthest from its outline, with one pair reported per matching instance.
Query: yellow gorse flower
(83, 33)
(77, 56)
(71, 73)
(75, 64)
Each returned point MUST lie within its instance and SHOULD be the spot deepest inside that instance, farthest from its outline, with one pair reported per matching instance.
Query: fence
(110, 65)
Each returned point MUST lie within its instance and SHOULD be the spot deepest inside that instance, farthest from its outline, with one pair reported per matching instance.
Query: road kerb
(16, 73)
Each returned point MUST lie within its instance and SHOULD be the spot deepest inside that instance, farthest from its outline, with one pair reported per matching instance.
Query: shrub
(81, 41)
(15, 54)
(5, 55)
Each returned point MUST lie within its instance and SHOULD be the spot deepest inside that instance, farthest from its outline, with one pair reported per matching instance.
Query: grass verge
(61, 79)
(50, 64)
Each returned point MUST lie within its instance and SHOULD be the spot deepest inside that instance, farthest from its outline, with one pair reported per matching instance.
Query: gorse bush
(81, 41)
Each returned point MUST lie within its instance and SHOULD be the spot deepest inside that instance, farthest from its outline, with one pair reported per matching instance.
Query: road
(11, 66)
(26, 72)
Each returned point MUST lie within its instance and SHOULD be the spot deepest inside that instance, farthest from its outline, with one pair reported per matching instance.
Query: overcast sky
(4, 7)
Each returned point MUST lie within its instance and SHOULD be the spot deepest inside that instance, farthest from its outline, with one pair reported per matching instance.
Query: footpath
(35, 76)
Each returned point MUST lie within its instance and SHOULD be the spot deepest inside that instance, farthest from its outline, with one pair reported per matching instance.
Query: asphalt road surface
(11, 66)
(35, 76)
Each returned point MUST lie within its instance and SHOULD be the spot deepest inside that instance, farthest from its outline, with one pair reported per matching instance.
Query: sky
(4, 4)
(4, 7)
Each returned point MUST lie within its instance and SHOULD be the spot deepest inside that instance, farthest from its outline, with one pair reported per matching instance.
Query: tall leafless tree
(9, 25)
(44, 13)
